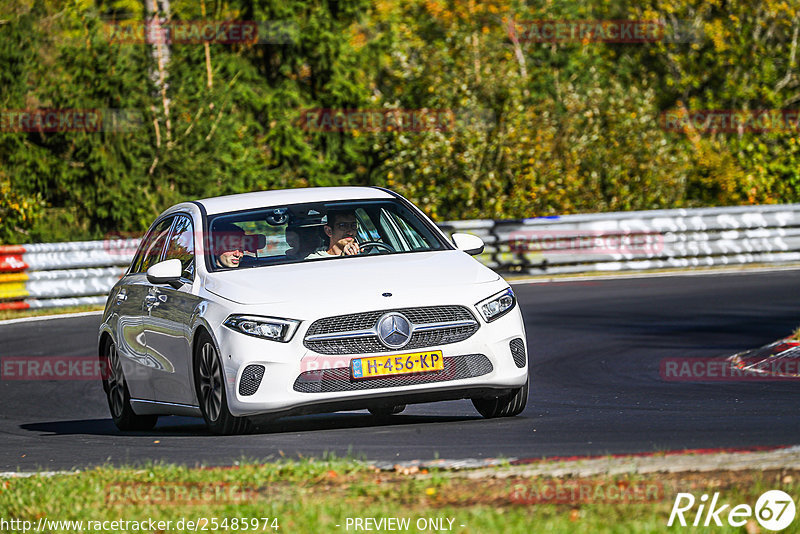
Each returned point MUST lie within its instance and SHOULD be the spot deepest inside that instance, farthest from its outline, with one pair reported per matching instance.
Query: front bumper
(298, 380)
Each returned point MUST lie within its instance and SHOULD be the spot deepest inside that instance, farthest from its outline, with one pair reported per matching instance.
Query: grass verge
(16, 314)
(329, 495)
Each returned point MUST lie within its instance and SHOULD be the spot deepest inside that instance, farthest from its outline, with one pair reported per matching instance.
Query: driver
(341, 228)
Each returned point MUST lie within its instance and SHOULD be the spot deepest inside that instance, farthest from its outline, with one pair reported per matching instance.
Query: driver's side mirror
(471, 244)
(166, 272)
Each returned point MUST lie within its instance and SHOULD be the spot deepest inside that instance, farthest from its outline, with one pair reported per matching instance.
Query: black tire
(386, 410)
(505, 406)
(119, 399)
(209, 384)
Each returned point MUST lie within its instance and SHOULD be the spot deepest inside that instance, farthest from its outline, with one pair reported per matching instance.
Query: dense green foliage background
(550, 128)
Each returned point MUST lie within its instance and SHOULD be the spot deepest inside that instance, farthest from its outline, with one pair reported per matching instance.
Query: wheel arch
(102, 346)
(200, 329)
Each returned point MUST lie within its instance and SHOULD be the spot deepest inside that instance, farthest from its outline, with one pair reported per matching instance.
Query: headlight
(497, 305)
(264, 327)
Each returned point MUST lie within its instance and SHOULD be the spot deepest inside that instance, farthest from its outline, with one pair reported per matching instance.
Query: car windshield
(307, 232)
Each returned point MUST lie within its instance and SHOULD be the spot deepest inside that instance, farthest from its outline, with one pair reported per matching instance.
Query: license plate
(401, 364)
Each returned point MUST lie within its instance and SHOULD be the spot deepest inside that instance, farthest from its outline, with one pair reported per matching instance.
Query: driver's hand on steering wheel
(351, 249)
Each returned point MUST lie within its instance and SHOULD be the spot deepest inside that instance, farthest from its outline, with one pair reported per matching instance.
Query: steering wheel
(376, 244)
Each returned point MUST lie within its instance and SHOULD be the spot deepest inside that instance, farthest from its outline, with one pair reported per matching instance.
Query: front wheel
(505, 406)
(210, 386)
(119, 399)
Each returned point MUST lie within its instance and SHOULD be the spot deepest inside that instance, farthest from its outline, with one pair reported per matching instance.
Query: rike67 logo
(774, 510)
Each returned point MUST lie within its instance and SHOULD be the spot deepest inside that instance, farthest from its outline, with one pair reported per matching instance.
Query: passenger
(342, 229)
(302, 241)
(229, 244)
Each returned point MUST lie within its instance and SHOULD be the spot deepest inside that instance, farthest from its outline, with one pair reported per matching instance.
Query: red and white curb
(733, 459)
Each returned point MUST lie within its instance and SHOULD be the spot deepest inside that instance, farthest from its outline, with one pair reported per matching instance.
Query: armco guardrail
(65, 274)
(47, 275)
(658, 239)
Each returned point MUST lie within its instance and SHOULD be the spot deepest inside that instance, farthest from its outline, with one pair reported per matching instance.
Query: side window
(388, 225)
(181, 245)
(366, 229)
(136, 264)
(155, 244)
(417, 241)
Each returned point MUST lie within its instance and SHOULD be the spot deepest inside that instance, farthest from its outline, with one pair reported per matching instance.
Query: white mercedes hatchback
(245, 308)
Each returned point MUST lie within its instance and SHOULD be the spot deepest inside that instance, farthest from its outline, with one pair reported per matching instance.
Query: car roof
(283, 197)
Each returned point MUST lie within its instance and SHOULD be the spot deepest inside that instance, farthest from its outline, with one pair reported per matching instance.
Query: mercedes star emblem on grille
(394, 330)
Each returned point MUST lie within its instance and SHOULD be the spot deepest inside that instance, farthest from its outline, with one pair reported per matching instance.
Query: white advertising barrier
(64, 302)
(82, 273)
(46, 275)
(40, 261)
(76, 287)
(658, 239)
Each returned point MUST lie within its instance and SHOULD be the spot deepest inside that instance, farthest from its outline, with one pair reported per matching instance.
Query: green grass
(317, 495)
(15, 314)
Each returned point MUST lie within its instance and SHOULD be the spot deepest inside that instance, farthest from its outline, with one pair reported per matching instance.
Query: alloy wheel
(116, 382)
(210, 381)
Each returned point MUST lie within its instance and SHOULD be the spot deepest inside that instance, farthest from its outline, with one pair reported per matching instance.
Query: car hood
(350, 279)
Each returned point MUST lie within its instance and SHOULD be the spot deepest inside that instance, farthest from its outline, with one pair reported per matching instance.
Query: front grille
(338, 379)
(369, 320)
(517, 347)
(251, 379)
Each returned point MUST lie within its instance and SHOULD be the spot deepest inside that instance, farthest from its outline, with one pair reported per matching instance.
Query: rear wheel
(505, 406)
(386, 410)
(119, 400)
(210, 386)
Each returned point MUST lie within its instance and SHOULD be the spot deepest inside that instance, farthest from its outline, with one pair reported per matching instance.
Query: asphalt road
(595, 349)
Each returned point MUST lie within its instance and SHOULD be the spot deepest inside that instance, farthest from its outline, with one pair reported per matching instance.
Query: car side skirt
(148, 407)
